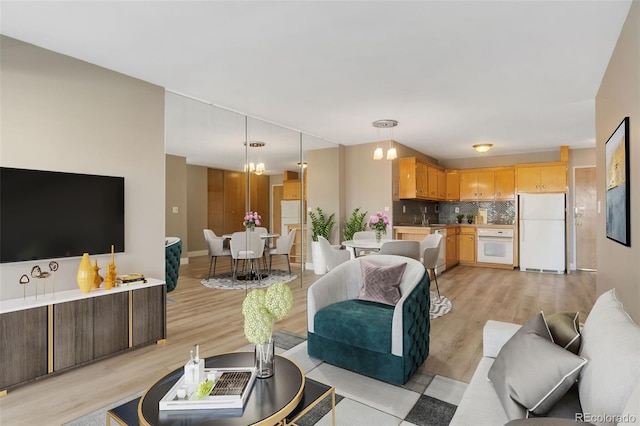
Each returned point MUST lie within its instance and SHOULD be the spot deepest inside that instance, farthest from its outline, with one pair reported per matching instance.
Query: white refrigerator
(290, 215)
(542, 232)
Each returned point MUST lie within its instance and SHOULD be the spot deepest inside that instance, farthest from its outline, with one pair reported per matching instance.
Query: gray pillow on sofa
(564, 328)
(531, 373)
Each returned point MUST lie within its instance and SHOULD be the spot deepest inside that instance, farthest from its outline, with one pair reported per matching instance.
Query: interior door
(585, 217)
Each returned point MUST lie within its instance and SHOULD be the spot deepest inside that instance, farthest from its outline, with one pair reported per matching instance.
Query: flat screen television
(48, 215)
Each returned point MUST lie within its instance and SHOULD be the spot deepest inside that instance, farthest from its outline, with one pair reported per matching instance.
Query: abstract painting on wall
(617, 185)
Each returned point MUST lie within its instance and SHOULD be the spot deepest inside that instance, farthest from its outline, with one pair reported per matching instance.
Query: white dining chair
(283, 247)
(263, 231)
(216, 249)
(332, 257)
(431, 244)
(245, 246)
(407, 248)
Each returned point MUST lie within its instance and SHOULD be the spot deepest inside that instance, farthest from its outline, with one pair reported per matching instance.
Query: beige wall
(62, 114)
(176, 196)
(619, 97)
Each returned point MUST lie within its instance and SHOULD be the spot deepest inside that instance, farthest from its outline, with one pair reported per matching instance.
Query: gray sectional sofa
(607, 391)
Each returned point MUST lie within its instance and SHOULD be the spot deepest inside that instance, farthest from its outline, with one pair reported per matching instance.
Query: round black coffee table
(270, 401)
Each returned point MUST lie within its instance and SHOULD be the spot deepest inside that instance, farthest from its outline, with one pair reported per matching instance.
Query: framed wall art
(617, 185)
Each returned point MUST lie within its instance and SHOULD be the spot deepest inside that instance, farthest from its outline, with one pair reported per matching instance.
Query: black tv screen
(45, 214)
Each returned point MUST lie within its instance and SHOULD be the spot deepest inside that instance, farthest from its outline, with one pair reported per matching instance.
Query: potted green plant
(321, 225)
(469, 218)
(459, 217)
(355, 223)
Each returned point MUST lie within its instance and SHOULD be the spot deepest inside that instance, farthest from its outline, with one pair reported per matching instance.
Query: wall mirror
(251, 165)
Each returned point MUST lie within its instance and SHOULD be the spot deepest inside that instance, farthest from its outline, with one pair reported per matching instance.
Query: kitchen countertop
(451, 225)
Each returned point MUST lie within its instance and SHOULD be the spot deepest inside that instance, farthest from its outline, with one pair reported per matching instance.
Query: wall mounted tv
(46, 214)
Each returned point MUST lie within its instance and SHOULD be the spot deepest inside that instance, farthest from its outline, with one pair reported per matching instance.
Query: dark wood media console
(45, 337)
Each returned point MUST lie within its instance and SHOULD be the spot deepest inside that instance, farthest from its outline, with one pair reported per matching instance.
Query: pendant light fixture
(392, 154)
(258, 168)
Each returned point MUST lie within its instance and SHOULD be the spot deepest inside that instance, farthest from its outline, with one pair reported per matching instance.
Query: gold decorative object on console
(110, 280)
(35, 273)
(98, 279)
(86, 274)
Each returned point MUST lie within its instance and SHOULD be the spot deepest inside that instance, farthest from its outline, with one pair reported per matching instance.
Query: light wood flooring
(213, 319)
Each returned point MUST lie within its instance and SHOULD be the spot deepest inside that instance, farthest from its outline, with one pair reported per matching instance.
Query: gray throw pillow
(564, 328)
(531, 372)
(381, 283)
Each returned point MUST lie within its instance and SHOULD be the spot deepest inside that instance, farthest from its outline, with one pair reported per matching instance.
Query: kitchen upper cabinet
(452, 185)
(541, 177)
(505, 184)
(292, 189)
(432, 183)
(413, 179)
(477, 185)
(442, 185)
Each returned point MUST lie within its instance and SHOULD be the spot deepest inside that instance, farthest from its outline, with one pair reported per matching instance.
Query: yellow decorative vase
(86, 274)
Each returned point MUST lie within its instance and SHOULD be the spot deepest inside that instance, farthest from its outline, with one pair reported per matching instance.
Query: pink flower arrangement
(251, 219)
(379, 222)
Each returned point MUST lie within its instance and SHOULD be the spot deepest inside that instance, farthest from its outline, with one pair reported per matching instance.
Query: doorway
(584, 211)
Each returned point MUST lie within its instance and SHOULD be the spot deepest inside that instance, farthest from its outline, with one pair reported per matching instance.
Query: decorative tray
(231, 389)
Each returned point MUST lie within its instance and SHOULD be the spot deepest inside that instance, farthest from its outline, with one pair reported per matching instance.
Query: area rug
(439, 307)
(224, 281)
(427, 389)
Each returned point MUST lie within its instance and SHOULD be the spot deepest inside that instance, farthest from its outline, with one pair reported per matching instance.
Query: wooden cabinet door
(505, 185)
(111, 324)
(468, 185)
(486, 185)
(291, 189)
(23, 351)
(234, 201)
(422, 180)
(553, 178)
(432, 183)
(407, 171)
(467, 245)
(148, 323)
(72, 333)
(528, 179)
(442, 185)
(451, 249)
(453, 186)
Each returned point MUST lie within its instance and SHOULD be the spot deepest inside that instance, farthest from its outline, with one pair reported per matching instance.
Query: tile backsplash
(411, 211)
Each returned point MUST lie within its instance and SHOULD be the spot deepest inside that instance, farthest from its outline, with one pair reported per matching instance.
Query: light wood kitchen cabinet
(292, 189)
(232, 195)
(550, 177)
(432, 183)
(413, 176)
(452, 185)
(467, 244)
(442, 185)
(505, 184)
(452, 247)
(477, 185)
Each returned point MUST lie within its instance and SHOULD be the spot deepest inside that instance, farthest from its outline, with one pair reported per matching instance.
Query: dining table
(370, 244)
(266, 237)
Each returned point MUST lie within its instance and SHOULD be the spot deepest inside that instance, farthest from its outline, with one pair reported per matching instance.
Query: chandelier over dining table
(391, 152)
(252, 167)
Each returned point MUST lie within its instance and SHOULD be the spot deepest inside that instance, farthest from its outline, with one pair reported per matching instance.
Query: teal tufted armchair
(172, 253)
(386, 342)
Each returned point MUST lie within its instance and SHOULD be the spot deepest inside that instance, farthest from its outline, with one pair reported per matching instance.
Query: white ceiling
(522, 75)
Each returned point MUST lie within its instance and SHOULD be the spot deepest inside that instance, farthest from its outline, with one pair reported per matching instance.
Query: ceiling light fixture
(259, 168)
(392, 154)
(482, 147)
